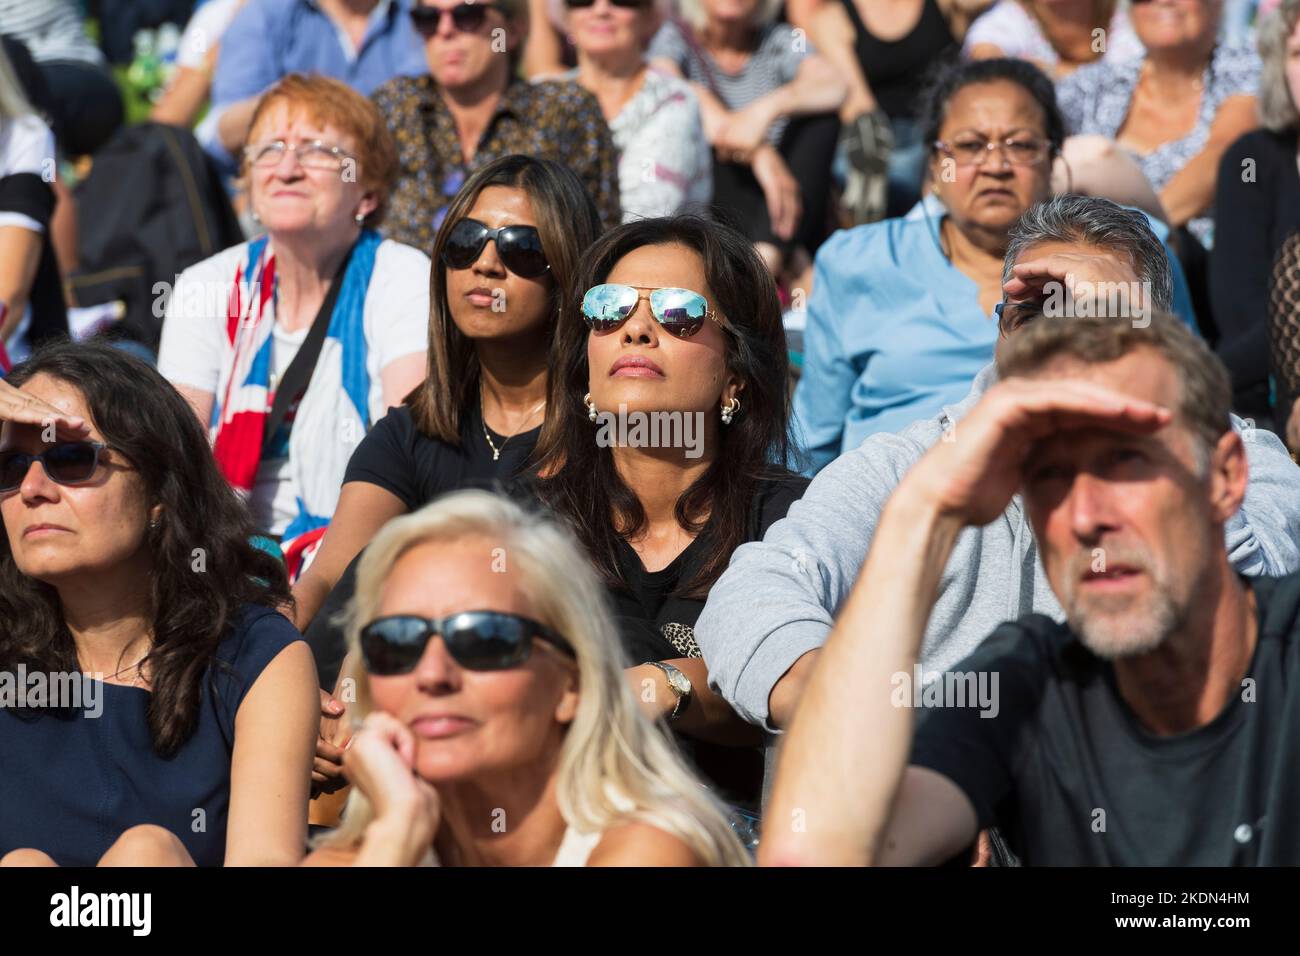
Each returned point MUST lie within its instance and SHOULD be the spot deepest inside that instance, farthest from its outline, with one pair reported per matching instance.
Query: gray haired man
(772, 610)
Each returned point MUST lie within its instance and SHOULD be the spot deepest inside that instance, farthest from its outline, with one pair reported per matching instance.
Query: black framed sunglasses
(465, 17)
(681, 312)
(520, 247)
(476, 640)
(1016, 315)
(66, 463)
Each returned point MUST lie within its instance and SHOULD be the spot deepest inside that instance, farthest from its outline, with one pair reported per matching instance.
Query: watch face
(679, 682)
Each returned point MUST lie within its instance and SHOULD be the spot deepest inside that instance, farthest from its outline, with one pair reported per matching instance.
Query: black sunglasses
(476, 640)
(66, 463)
(465, 17)
(520, 247)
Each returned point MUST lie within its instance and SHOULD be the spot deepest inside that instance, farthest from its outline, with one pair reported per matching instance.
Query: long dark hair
(567, 222)
(193, 607)
(577, 478)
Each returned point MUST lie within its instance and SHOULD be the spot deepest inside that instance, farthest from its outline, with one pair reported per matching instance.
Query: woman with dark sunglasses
(180, 708)
(503, 258)
(666, 452)
(498, 729)
(472, 107)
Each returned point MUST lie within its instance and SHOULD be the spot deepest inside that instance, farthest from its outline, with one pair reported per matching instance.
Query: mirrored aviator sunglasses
(681, 312)
(518, 247)
(66, 463)
(476, 640)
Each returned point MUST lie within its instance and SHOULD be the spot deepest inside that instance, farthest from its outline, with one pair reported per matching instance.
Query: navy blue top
(70, 782)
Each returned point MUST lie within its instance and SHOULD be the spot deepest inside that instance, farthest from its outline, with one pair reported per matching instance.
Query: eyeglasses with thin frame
(312, 154)
(975, 151)
(65, 463)
(681, 312)
(465, 17)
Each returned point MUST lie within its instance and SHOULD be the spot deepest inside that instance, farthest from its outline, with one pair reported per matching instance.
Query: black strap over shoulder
(296, 378)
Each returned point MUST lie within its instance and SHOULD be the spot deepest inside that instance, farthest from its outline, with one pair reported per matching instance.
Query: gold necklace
(496, 452)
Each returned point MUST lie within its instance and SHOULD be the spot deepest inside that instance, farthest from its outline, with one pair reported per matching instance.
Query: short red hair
(329, 102)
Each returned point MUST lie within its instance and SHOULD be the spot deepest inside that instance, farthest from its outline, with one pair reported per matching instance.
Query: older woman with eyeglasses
(290, 346)
(902, 312)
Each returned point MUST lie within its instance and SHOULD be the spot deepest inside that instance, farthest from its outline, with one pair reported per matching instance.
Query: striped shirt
(50, 29)
(774, 63)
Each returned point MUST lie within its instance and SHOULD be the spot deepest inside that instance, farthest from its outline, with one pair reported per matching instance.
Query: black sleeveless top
(894, 69)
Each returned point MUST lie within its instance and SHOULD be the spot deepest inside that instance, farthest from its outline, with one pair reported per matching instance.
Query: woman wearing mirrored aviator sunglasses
(679, 327)
(498, 730)
(126, 558)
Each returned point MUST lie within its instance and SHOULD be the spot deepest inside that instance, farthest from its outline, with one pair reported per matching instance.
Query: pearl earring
(591, 407)
(729, 411)
(360, 218)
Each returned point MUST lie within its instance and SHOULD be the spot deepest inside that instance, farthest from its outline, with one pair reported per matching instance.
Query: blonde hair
(614, 766)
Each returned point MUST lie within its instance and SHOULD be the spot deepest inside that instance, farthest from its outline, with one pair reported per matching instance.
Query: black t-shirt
(399, 458)
(656, 623)
(1071, 778)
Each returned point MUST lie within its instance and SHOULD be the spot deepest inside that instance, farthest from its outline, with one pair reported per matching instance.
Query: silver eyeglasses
(974, 151)
(312, 154)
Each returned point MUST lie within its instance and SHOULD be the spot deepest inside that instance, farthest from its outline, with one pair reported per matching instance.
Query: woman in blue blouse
(901, 314)
(900, 317)
(187, 709)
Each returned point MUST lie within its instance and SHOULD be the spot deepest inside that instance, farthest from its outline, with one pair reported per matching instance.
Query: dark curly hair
(148, 422)
(577, 478)
(950, 77)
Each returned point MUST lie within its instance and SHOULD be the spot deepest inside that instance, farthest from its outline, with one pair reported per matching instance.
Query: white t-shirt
(1013, 30)
(396, 322)
(26, 146)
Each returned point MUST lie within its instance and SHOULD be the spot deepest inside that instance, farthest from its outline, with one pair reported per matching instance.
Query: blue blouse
(72, 782)
(895, 332)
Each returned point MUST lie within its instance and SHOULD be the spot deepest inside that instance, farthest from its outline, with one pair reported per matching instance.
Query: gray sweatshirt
(779, 596)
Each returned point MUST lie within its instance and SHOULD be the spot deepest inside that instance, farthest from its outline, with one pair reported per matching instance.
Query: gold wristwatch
(680, 684)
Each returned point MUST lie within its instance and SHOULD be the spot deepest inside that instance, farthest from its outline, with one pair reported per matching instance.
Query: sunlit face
(1293, 64)
(466, 58)
(62, 534)
(646, 368)
(291, 198)
(605, 29)
(487, 300)
(1169, 24)
(1126, 524)
(993, 195)
(472, 723)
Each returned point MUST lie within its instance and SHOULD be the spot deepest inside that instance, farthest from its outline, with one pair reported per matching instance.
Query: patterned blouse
(1095, 99)
(548, 120)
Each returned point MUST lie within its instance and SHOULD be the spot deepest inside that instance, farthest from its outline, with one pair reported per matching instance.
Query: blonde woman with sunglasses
(498, 729)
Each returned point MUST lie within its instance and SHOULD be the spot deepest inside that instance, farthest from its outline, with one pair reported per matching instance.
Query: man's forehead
(1054, 247)
(1141, 373)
